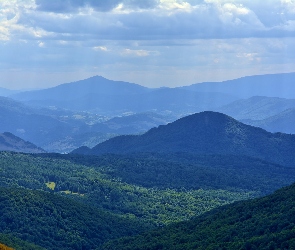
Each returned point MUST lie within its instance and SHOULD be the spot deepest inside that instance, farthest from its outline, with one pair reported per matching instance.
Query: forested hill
(10, 142)
(205, 133)
(55, 222)
(263, 223)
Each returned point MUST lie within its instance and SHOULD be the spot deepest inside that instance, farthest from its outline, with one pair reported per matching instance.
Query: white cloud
(238, 10)
(174, 5)
(100, 48)
(138, 53)
(289, 5)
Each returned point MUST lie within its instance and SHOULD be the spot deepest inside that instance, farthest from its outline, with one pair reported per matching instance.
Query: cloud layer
(153, 37)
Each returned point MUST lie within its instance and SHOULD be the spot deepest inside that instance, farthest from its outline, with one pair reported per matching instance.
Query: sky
(153, 43)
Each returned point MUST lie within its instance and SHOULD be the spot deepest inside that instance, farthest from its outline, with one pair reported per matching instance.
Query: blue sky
(154, 43)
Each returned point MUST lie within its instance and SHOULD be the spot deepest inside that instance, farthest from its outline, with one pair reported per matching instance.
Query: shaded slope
(205, 133)
(257, 107)
(132, 124)
(190, 171)
(29, 124)
(264, 223)
(282, 122)
(54, 222)
(10, 142)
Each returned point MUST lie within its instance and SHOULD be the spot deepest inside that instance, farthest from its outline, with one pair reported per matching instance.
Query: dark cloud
(72, 5)
(61, 6)
(205, 21)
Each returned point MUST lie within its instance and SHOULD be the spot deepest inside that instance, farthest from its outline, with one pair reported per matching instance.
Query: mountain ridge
(98, 94)
(271, 85)
(257, 107)
(10, 142)
(205, 132)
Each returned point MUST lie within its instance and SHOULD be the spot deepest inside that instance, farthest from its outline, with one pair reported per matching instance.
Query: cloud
(100, 48)
(155, 19)
(78, 20)
(138, 53)
(160, 37)
(289, 5)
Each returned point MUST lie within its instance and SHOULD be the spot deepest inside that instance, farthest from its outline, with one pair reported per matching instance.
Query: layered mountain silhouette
(97, 94)
(263, 223)
(257, 107)
(204, 133)
(10, 142)
(30, 124)
(281, 122)
(271, 85)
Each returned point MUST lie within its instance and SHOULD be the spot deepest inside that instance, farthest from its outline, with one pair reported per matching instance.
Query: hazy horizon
(152, 87)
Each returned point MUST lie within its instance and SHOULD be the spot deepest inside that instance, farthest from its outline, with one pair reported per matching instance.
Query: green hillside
(90, 180)
(264, 223)
(122, 194)
(55, 222)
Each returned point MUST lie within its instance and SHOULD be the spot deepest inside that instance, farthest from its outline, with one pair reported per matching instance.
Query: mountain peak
(207, 132)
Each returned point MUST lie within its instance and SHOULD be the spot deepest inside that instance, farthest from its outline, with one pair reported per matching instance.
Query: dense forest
(55, 222)
(263, 223)
(97, 184)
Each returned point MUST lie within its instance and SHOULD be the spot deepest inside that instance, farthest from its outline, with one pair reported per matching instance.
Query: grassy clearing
(51, 185)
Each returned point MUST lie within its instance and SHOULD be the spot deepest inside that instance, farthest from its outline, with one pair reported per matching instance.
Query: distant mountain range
(60, 130)
(97, 94)
(10, 142)
(257, 107)
(282, 122)
(271, 85)
(270, 113)
(93, 110)
(29, 123)
(204, 133)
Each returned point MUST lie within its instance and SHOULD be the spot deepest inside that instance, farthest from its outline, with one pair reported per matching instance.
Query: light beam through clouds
(150, 42)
